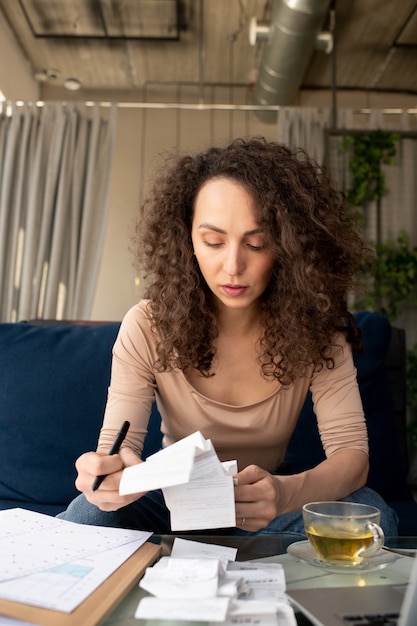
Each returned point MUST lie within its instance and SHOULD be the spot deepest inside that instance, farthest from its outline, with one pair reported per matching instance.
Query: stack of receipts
(203, 582)
(197, 487)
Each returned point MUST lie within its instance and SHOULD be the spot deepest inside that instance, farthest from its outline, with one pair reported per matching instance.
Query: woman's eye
(213, 244)
(258, 247)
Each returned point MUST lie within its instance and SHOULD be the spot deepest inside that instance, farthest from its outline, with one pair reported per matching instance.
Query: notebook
(352, 606)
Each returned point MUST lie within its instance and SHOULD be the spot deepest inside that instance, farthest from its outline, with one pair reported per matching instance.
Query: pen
(113, 450)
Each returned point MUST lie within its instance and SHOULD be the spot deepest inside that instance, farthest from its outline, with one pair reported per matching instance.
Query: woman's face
(229, 245)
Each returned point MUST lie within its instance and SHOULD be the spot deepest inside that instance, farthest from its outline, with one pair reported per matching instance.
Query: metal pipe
(188, 106)
(202, 53)
(295, 25)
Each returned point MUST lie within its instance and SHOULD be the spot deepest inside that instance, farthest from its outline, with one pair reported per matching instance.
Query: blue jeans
(151, 514)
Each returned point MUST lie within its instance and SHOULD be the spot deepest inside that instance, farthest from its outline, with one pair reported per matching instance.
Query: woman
(250, 253)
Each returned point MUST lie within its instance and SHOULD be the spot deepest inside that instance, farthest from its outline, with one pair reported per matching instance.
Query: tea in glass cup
(343, 533)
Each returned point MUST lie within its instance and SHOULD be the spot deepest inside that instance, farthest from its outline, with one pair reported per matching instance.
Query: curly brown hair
(309, 230)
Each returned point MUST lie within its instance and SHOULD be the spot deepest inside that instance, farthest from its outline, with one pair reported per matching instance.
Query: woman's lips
(234, 290)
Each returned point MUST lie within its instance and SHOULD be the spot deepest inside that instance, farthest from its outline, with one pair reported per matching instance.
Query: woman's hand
(92, 464)
(256, 498)
(261, 496)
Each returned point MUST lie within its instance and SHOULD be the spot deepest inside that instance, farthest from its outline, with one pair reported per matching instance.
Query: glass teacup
(343, 533)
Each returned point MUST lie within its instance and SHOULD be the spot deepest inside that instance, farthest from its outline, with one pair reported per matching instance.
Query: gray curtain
(304, 127)
(55, 164)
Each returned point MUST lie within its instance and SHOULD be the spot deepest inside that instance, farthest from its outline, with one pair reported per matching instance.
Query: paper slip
(207, 501)
(265, 613)
(261, 583)
(187, 548)
(201, 610)
(171, 466)
(196, 587)
(182, 578)
(156, 473)
(197, 487)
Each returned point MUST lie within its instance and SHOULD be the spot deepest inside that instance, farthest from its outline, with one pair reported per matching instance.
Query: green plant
(368, 152)
(391, 281)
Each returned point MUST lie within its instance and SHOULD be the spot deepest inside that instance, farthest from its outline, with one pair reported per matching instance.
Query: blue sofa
(53, 388)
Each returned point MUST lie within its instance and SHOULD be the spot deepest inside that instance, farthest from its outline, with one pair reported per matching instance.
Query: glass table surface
(273, 548)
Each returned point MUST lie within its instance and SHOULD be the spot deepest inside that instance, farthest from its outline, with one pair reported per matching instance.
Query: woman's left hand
(256, 498)
(261, 496)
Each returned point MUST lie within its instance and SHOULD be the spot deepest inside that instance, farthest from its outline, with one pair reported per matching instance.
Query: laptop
(358, 606)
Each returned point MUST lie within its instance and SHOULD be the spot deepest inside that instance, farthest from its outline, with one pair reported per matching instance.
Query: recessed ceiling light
(73, 84)
(41, 76)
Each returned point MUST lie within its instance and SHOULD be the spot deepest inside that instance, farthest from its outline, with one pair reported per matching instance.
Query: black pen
(113, 450)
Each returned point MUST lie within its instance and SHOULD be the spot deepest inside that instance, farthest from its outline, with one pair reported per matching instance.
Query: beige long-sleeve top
(258, 433)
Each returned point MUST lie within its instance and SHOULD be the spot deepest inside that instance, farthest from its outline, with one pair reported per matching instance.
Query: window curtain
(304, 128)
(55, 164)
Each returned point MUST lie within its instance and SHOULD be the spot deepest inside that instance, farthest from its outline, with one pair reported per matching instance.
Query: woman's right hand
(92, 464)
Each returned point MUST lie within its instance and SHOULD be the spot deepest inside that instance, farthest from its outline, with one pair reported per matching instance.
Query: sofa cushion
(45, 427)
(387, 472)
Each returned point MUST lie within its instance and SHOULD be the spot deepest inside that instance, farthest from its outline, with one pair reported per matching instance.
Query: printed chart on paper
(56, 564)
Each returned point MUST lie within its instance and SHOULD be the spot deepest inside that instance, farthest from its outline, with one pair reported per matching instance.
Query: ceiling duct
(291, 39)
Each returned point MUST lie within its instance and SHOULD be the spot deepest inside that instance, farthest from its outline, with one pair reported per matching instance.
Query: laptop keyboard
(385, 619)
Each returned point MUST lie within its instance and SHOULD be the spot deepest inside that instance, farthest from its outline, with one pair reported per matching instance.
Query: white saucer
(303, 551)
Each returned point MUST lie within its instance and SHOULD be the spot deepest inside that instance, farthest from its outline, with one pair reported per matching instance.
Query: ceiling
(121, 47)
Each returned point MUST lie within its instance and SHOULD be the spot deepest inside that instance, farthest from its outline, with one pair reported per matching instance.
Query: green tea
(340, 546)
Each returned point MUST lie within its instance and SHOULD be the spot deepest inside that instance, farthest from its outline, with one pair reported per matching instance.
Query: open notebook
(343, 606)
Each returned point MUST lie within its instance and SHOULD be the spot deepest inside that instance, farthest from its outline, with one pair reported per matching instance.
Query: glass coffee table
(299, 572)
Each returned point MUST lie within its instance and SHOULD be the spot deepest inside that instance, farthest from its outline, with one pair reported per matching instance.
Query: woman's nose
(234, 262)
